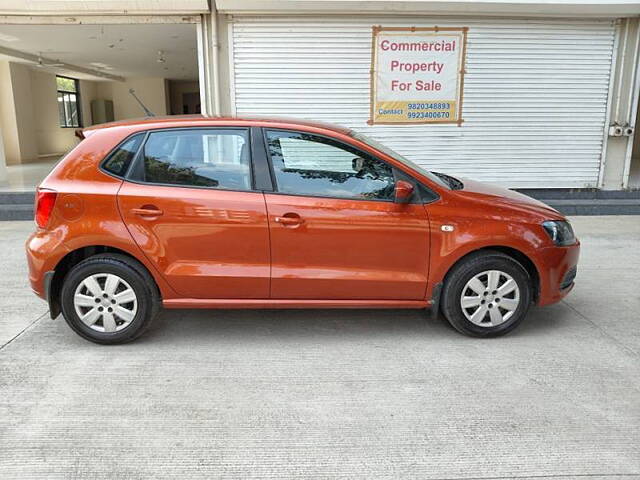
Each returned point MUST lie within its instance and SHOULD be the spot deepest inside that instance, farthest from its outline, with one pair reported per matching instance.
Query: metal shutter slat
(534, 102)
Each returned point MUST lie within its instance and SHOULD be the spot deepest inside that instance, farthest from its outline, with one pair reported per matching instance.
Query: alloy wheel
(105, 302)
(490, 298)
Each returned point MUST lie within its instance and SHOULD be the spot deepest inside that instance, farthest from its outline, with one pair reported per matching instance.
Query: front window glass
(198, 158)
(396, 156)
(317, 166)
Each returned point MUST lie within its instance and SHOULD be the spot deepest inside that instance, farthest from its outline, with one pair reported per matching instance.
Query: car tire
(109, 299)
(487, 294)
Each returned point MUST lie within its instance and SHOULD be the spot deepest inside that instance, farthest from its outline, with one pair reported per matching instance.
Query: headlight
(560, 232)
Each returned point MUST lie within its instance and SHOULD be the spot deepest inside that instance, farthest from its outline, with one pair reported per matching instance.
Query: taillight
(45, 200)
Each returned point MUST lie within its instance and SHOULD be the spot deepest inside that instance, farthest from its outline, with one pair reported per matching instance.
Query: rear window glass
(198, 158)
(119, 160)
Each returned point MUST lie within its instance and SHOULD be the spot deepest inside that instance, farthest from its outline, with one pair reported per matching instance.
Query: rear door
(336, 232)
(190, 205)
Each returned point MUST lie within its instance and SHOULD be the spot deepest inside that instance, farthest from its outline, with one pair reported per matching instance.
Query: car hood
(495, 195)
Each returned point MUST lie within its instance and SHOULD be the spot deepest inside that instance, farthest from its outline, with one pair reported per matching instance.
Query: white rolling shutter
(535, 94)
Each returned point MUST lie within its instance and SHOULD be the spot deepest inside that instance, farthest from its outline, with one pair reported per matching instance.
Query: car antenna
(147, 112)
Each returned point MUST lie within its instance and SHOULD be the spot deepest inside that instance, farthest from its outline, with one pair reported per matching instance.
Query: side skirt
(251, 303)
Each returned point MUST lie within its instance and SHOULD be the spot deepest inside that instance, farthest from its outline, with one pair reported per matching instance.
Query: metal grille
(534, 102)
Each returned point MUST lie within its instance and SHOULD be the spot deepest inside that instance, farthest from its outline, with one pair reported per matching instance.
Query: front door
(190, 207)
(335, 231)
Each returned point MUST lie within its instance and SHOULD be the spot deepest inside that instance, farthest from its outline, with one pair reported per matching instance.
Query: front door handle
(289, 220)
(147, 211)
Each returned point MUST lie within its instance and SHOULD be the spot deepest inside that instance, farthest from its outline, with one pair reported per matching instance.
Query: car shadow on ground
(291, 324)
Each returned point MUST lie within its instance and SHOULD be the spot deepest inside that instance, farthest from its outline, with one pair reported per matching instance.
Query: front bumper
(557, 267)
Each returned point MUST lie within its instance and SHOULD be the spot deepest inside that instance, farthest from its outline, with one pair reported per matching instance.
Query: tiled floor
(26, 177)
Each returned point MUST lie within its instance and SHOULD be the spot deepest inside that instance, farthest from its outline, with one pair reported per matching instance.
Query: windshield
(396, 156)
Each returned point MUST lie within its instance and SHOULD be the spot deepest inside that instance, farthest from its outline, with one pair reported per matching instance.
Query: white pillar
(623, 92)
(208, 46)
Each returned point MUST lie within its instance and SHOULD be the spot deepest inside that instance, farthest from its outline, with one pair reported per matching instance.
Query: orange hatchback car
(195, 212)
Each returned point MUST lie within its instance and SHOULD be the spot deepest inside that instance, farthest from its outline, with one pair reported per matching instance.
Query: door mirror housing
(403, 191)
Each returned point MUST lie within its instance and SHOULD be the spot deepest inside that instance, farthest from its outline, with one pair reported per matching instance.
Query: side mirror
(403, 191)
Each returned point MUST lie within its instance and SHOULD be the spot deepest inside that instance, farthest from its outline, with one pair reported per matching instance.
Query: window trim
(139, 157)
(417, 196)
(78, 101)
(113, 151)
(263, 172)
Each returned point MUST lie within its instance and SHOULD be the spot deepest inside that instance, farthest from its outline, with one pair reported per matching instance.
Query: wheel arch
(514, 253)
(76, 256)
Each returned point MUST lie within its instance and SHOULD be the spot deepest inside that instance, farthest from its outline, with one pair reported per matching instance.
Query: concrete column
(224, 66)
(17, 113)
(207, 36)
(623, 100)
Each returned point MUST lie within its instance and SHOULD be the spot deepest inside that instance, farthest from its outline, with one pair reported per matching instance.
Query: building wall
(25, 118)
(8, 124)
(88, 92)
(176, 90)
(616, 155)
(29, 113)
(50, 137)
(16, 113)
(29, 109)
(223, 70)
(150, 90)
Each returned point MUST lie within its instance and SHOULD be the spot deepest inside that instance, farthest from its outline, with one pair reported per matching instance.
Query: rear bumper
(44, 250)
(557, 267)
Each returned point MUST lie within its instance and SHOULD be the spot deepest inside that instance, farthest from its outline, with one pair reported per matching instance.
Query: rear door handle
(147, 211)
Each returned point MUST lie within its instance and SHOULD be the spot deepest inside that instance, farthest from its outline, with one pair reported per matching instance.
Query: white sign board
(417, 75)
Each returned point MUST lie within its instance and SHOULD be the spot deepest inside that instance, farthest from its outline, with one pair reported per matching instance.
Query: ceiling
(94, 7)
(123, 50)
(530, 8)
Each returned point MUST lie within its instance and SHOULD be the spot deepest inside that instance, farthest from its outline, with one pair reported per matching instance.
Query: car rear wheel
(487, 294)
(109, 299)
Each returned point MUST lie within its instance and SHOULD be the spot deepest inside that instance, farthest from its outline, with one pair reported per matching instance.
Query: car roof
(200, 120)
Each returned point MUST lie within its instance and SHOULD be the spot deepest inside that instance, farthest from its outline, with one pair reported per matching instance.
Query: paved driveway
(331, 394)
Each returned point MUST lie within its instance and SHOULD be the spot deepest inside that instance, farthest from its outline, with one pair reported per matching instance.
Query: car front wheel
(487, 294)
(109, 299)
